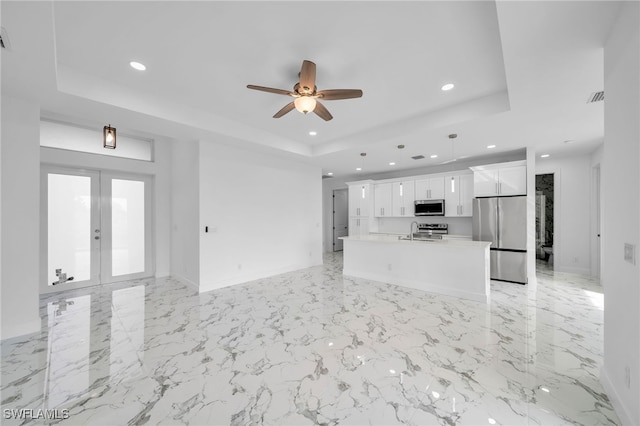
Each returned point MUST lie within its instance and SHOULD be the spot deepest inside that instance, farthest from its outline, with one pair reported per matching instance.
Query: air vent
(326, 177)
(596, 97)
(418, 157)
(4, 39)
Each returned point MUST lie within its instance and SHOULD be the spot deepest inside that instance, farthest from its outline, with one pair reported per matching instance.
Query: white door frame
(101, 221)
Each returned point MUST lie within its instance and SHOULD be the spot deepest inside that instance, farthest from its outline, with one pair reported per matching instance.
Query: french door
(95, 228)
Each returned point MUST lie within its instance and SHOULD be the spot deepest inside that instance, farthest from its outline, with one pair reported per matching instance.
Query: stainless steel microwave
(429, 208)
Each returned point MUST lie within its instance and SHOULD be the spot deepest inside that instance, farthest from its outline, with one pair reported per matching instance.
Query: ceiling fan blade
(285, 109)
(269, 89)
(308, 77)
(322, 111)
(335, 94)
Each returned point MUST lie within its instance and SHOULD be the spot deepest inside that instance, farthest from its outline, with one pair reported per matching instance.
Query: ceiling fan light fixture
(305, 104)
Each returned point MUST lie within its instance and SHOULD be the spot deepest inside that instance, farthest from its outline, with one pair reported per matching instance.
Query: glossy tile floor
(314, 347)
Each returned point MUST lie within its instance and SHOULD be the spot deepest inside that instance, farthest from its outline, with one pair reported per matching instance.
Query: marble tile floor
(313, 347)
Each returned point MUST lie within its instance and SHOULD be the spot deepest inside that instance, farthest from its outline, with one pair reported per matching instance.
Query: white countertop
(393, 239)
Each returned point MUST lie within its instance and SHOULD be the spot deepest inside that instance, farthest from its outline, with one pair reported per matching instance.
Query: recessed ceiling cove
(201, 55)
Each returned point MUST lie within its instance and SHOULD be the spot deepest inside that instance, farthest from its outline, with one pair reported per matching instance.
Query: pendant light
(109, 137)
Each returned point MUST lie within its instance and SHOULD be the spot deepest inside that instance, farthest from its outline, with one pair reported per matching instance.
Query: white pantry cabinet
(360, 207)
(493, 180)
(403, 198)
(383, 199)
(430, 188)
(458, 195)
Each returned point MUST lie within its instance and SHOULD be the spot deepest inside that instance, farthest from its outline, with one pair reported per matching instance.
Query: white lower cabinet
(458, 196)
(358, 226)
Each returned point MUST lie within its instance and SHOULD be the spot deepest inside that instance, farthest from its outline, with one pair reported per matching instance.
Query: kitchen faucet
(411, 229)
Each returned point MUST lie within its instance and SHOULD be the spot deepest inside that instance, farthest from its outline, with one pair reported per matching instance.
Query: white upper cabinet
(360, 199)
(513, 180)
(430, 188)
(403, 198)
(383, 199)
(458, 196)
(501, 179)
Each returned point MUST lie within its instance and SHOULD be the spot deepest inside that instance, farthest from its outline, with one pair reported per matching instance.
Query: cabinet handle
(500, 184)
(497, 190)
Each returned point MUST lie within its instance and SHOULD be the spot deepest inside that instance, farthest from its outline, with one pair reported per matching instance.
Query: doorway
(545, 219)
(95, 228)
(340, 217)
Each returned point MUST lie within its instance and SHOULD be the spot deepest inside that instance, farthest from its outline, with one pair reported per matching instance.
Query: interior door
(95, 228)
(340, 217)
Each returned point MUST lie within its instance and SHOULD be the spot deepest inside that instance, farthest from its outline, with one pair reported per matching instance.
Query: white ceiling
(523, 72)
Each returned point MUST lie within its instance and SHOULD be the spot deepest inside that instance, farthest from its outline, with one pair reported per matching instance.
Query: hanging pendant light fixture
(109, 137)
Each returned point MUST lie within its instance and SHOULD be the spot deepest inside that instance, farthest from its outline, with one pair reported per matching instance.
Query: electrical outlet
(630, 253)
(239, 266)
(388, 266)
(627, 376)
(576, 260)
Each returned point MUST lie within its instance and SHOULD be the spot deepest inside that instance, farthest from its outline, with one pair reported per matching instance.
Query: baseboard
(186, 281)
(253, 276)
(620, 409)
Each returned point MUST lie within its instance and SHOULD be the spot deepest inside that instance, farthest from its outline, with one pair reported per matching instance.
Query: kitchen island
(453, 267)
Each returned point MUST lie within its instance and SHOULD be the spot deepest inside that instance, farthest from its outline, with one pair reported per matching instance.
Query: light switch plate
(630, 253)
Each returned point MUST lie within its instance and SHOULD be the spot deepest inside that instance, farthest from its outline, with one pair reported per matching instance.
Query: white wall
(19, 290)
(572, 211)
(264, 215)
(596, 248)
(160, 169)
(621, 214)
(185, 212)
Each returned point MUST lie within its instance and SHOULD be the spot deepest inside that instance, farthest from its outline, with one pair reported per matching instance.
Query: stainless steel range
(433, 231)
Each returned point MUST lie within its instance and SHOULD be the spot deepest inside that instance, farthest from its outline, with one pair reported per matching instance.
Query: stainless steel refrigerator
(503, 222)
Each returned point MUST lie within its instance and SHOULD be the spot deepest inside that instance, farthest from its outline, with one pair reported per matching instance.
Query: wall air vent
(418, 157)
(596, 97)
(326, 177)
(4, 39)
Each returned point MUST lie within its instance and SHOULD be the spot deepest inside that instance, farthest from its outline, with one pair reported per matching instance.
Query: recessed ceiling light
(490, 146)
(448, 86)
(392, 371)
(330, 174)
(543, 389)
(392, 163)
(544, 155)
(137, 66)
(358, 168)
(313, 133)
(434, 156)
(400, 146)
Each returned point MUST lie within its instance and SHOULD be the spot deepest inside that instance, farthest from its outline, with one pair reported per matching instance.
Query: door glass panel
(69, 227)
(127, 221)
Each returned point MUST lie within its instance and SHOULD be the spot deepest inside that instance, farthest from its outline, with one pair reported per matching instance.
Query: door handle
(96, 237)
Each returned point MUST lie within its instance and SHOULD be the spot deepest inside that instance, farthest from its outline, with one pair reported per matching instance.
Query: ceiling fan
(306, 94)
